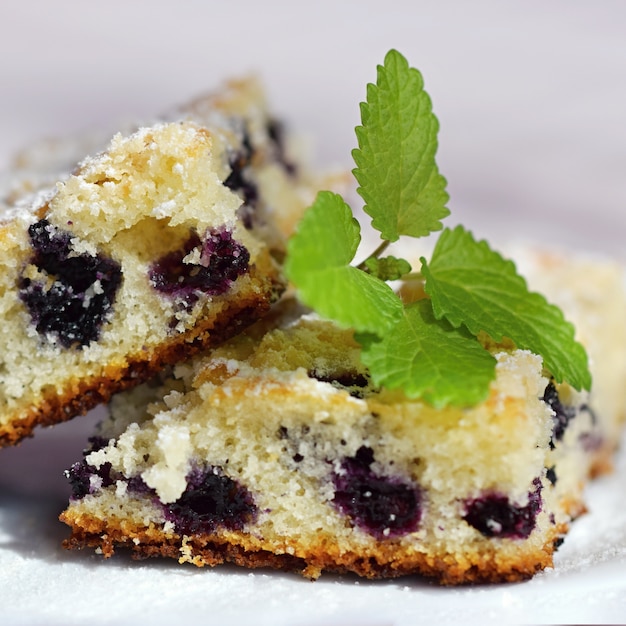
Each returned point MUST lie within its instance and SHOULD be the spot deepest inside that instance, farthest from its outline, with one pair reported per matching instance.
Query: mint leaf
(318, 264)
(472, 285)
(387, 268)
(399, 180)
(429, 359)
(428, 349)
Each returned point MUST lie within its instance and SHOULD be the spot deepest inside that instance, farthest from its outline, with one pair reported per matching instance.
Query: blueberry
(494, 515)
(354, 382)
(240, 182)
(221, 261)
(78, 476)
(211, 500)
(76, 298)
(276, 134)
(383, 506)
(80, 473)
(562, 413)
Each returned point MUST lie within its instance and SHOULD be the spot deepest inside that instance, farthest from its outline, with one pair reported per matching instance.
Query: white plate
(531, 98)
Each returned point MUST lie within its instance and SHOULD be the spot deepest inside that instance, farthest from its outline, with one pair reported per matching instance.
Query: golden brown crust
(388, 560)
(147, 543)
(81, 395)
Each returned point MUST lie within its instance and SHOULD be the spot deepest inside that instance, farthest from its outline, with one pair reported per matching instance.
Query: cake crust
(245, 551)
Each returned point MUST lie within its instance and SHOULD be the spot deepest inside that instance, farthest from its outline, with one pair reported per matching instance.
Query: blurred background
(531, 95)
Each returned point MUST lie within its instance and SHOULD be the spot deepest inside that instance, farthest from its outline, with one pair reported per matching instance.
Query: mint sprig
(472, 285)
(429, 349)
(404, 192)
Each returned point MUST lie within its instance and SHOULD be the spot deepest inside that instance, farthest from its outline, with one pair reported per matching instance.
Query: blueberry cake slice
(165, 242)
(276, 450)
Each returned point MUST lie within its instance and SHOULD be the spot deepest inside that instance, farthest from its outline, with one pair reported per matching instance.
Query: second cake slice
(277, 450)
(162, 244)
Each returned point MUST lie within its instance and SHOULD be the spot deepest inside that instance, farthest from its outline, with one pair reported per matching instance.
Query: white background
(531, 97)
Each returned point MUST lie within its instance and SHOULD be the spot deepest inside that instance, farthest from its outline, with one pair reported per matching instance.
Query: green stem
(413, 276)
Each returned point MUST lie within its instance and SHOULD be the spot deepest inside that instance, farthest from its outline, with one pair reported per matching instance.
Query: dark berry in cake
(551, 475)
(563, 414)
(240, 182)
(276, 132)
(74, 297)
(494, 515)
(354, 382)
(81, 473)
(211, 500)
(383, 506)
(221, 261)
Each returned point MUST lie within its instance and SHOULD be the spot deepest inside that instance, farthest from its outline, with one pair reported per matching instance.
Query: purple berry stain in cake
(221, 260)
(494, 515)
(76, 293)
(383, 506)
(210, 501)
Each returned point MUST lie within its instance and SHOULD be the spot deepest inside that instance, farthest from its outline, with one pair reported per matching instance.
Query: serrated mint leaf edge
(323, 276)
(569, 364)
(412, 357)
(432, 183)
(303, 247)
(352, 298)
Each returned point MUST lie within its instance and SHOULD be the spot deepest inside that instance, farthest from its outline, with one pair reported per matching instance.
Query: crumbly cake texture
(276, 450)
(166, 242)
